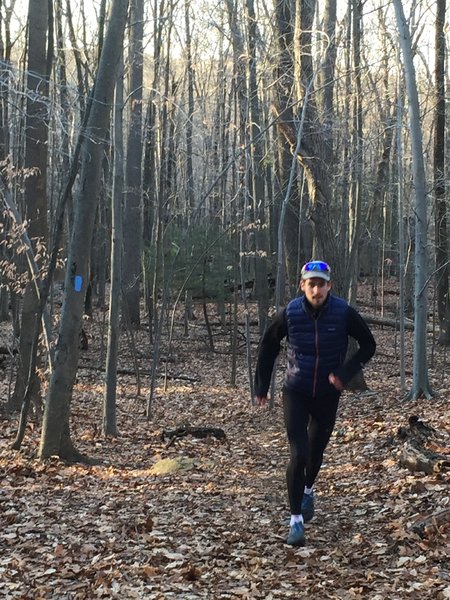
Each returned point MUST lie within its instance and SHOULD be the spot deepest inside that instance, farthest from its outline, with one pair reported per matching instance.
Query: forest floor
(207, 517)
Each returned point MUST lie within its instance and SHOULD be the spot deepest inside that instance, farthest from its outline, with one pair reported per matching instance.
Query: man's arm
(269, 349)
(358, 329)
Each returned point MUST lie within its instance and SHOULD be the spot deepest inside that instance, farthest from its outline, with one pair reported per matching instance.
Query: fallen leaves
(201, 519)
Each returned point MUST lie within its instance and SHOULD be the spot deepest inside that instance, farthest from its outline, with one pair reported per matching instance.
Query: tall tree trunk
(39, 67)
(257, 170)
(55, 437)
(109, 404)
(245, 175)
(401, 234)
(284, 99)
(420, 385)
(161, 208)
(102, 237)
(150, 192)
(310, 153)
(5, 58)
(190, 115)
(326, 79)
(132, 227)
(349, 284)
(442, 261)
(82, 87)
(65, 104)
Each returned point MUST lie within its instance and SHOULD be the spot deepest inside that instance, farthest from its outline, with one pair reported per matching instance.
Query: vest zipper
(316, 366)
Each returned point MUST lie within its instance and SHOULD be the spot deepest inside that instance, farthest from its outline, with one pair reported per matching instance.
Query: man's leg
(296, 419)
(321, 425)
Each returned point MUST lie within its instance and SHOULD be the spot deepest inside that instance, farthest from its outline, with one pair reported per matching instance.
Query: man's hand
(260, 400)
(335, 381)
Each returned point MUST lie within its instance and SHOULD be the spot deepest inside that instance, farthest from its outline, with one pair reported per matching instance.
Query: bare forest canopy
(212, 171)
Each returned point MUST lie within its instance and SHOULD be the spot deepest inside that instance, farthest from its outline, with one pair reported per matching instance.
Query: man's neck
(315, 312)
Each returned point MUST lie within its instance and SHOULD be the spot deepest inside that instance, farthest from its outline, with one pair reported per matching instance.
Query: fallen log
(387, 322)
(124, 371)
(197, 432)
(418, 458)
(419, 450)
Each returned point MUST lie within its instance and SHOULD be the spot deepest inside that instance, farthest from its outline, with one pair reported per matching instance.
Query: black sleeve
(358, 329)
(269, 349)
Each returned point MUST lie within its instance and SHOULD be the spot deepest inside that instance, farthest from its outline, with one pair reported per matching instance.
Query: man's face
(316, 290)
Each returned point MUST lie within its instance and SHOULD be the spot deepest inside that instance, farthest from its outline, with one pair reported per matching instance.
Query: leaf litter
(207, 519)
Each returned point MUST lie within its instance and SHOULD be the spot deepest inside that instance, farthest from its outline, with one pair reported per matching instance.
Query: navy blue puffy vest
(316, 346)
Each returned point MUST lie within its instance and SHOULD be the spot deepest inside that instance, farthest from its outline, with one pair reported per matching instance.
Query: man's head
(315, 282)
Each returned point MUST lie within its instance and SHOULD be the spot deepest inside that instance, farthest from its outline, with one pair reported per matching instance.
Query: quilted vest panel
(316, 346)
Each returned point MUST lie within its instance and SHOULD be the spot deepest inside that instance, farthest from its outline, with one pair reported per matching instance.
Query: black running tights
(309, 425)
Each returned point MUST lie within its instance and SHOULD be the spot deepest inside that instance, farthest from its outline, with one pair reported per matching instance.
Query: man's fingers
(335, 381)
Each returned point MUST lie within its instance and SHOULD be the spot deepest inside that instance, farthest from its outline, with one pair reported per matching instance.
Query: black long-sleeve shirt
(271, 343)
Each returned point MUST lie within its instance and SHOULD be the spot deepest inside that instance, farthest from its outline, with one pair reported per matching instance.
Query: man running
(317, 325)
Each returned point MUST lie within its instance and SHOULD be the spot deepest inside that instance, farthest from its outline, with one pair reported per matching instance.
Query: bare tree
(285, 97)
(36, 150)
(5, 58)
(109, 404)
(420, 385)
(310, 155)
(442, 258)
(55, 436)
(149, 175)
(163, 146)
(190, 189)
(241, 99)
(133, 170)
(326, 77)
(257, 183)
(356, 193)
